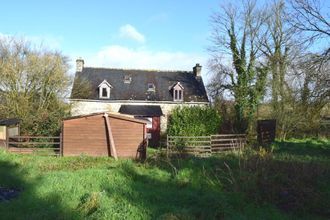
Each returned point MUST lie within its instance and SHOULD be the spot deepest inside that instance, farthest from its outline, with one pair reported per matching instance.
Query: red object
(155, 132)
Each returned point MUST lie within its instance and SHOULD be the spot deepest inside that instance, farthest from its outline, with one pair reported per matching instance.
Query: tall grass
(253, 185)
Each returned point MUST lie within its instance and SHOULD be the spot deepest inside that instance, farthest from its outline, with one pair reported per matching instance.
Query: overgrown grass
(290, 182)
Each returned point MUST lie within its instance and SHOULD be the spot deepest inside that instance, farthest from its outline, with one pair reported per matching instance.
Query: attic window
(178, 96)
(104, 90)
(178, 92)
(104, 93)
(127, 79)
(151, 87)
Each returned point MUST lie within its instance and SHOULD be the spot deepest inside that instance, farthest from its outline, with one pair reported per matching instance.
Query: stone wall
(82, 107)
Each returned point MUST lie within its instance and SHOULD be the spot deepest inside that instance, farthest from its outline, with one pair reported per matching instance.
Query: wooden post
(113, 151)
(211, 144)
(167, 146)
(61, 144)
(7, 138)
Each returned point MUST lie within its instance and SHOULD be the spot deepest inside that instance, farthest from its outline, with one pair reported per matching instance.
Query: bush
(194, 121)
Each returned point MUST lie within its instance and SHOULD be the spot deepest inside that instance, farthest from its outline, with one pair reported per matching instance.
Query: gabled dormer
(104, 90)
(177, 90)
(151, 87)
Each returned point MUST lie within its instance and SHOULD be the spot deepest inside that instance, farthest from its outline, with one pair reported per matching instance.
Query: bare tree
(280, 47)
(308, 17)
(310, 95)
(235, 32)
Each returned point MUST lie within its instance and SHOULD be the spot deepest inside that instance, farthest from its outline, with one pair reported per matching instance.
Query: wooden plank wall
(87, 135)
(127, 135)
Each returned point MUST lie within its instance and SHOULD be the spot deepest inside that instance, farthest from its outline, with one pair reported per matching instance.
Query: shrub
(194, 121)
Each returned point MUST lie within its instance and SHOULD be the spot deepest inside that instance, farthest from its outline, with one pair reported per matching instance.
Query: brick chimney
(79, 64)
(197, 70)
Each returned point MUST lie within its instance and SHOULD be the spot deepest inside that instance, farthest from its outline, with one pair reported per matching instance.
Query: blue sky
(139, 34)
(149, 34)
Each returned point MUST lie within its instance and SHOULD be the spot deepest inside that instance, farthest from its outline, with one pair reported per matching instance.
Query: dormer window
(104, 93)
(151, 87)
(104, 90)
(178, 92)
(127, 79)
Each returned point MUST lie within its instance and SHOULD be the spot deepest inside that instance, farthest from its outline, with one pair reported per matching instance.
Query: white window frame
(127, 79)
(149, 124)
(178, 92)
(107, 86)
(151, 87)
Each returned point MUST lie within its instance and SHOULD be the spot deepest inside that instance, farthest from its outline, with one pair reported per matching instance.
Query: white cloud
(130, 32)
(116, 56)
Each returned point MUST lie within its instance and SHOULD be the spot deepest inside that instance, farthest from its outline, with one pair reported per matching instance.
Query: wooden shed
(8, 128)
(104, 134)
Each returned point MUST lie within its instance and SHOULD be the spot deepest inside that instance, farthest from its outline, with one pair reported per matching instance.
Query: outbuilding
(104, 134)
(9, 127)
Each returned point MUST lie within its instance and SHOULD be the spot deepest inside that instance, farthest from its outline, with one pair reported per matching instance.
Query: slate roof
(9, 121)
(141, 110)
(194, 89)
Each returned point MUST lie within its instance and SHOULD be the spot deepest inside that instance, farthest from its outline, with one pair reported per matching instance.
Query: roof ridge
(148, 70)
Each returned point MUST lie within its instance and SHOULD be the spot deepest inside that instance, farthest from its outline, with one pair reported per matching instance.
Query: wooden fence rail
(40, 145)
(205, 145)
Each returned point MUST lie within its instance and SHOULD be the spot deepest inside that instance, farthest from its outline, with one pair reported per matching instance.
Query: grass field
(291, 181)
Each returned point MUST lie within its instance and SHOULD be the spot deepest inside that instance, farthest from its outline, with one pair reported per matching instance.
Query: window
(104, 90)
(127, 79)
(149, 124)
(178, 95)
(151, 87)
(177, 92)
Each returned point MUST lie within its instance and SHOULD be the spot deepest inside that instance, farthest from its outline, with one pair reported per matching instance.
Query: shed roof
(9, 121)
(110, 114)
(141, 110)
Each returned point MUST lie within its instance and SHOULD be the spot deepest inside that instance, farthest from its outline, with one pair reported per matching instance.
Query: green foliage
(33, 85)
(82, 88)
(194, 121)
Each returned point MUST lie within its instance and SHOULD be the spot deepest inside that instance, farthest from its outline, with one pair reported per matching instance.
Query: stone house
(146, 94)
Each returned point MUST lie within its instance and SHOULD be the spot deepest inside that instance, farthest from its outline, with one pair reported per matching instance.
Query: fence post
(7, 139)
(211, 144)
(61, 144)
(167, 146)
